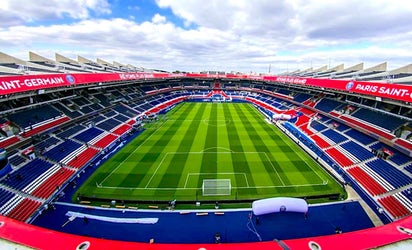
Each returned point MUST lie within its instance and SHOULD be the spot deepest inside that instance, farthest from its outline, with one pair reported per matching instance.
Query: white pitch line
(277, 173)
(177, 188)
(247, 182)
(287, 141)
(187, 178)
(224, 173)
(158, 166)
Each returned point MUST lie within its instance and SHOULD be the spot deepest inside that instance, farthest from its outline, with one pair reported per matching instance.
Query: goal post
(215, 187)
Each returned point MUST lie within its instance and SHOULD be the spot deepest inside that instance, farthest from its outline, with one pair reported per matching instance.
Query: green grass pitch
(197, 141)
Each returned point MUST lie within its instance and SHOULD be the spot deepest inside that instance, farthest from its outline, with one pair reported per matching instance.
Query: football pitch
(229, 143)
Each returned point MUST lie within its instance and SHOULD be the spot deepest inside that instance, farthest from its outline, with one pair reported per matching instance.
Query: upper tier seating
(397, 157)
(30, 117)
(359, 136)
(334, 136)
(301, 97)
(5, 142)
(70, 131)
(126, 111)
(24, 175)
(108, 124)
(327, 105)
(358, 151)
(62, 150)
(317, 125)
(88, 134)
(66, 111)
(380, 119)
(46, 143)
(16, 160)
(394, 176)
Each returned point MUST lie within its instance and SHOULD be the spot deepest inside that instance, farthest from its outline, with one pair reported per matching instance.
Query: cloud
(15, 12)
(157, 18)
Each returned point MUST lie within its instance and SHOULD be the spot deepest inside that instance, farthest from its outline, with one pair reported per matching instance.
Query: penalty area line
(233, 187)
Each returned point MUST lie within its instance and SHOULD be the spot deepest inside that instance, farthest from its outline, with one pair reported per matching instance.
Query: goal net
(212, 187)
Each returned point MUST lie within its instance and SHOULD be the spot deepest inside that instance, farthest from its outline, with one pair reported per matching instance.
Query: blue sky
(196, 35)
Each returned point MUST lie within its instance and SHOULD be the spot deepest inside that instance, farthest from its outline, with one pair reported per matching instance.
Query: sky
(259, 36)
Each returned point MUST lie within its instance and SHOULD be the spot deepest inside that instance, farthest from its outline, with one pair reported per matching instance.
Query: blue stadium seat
(62, 150)
(45, 143)
(16, 160)
(382, 120)
(394, 176)
(28, 117)
(108, 124)
(301, 97)
(70, 131)
(360, 137)
(317, 125)
(5, 196)
(334, 136)
(125, 111)
(358, 151)
(327, 105)
(26, 174)
(88, 134)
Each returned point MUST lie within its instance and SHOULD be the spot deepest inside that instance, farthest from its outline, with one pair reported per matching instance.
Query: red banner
(16, 84)
(383, 90)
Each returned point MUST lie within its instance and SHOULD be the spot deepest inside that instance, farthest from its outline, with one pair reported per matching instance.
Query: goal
(214, 187)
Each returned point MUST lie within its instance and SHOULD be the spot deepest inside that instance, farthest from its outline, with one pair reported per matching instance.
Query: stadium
(99, 155)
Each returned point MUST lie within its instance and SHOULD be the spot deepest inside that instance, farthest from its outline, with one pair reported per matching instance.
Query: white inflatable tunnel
(284, 117)
(279, 204)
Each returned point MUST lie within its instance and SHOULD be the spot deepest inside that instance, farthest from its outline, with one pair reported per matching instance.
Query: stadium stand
(361, 153)
(5, 142)
(394, 206)
(360, 137)
(62, 150)
(370, 184)
(88, 134)
(70, 131)
(327, 105)
(32, 116)
(380, 119)
(334, 136)
(53, 183)
(23, 176)
(345, 138)
(394, 176)
(83, 158)
(105, 141)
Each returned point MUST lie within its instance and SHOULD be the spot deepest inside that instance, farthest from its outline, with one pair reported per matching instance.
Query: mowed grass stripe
(209, 159)
(243, 132)
(192, 171)
(124, 168)
(282, 154)
(129, 164)
(292, 165)
(240, 163)
(224, 156)
(292, 162)
(277, 160)
(146, 159)
(170, 144)
(173, 173)
(263, 172)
